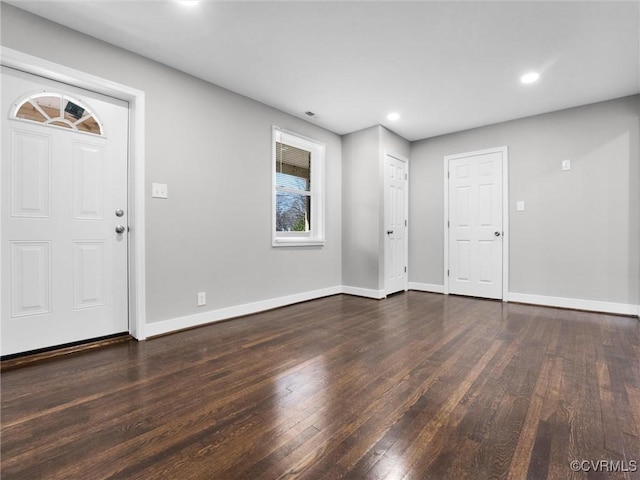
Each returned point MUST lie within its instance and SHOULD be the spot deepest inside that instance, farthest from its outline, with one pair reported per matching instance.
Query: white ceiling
(444, 66)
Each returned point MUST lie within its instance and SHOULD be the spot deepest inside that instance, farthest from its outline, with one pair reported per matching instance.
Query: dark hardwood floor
(418, 386)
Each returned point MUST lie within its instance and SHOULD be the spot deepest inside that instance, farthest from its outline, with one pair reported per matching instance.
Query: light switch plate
(159, 190)
(520, 206)
(566, 164)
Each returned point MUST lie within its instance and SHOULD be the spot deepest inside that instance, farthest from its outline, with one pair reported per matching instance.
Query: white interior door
(64, 267)
(476, 225)
(395, 221)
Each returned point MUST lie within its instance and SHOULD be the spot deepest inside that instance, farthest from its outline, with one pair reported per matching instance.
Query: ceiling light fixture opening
(393, 116)
(530, 77)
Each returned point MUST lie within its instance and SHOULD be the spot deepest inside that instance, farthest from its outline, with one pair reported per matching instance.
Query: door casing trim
(505, 214)
(136, 165)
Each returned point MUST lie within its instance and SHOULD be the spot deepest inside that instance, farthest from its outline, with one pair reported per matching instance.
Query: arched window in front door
(58, 110)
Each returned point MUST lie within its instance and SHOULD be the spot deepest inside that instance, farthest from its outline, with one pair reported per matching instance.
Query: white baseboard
(426, 287)
(189, 321)
(363, 292)
(575, 303)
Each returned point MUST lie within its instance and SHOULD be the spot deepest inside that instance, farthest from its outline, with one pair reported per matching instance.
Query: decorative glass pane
(29, 112)
(50, 105)
(293, 212)
(73, 111)
(89, 125)
(293, 167)
(60, 111)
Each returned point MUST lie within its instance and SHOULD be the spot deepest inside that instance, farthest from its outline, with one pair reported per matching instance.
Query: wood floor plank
(415, 386)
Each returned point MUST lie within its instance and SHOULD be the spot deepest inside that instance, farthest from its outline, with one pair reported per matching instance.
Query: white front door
(475, 225)
(64, 267)
(395, 222)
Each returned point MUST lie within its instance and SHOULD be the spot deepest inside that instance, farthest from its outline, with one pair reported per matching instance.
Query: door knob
(389, 232)
(119, 212)
(497, 234)
(120, 229)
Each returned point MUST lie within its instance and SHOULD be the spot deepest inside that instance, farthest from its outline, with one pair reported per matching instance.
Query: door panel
(88, 184)
(30, 174)
(30, 278)
(475, 225)
(64, 268)
(89, 274)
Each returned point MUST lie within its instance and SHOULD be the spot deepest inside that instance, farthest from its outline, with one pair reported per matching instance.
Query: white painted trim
(426, 287)
(406, 232)
(575, 303)
(364, 292)
(316, 237)
(506, 238)
(405, 160)
(198, 319)
(505, 214)
(445, 272)
(136, 98)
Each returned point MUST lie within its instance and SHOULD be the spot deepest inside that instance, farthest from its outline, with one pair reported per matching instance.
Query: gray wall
(363, 204)
(213, 149)
(360, 208)
(579, 236)
(394, 143)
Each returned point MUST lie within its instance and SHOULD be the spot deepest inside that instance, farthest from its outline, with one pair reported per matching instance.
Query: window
(58, 110)
(298, 190)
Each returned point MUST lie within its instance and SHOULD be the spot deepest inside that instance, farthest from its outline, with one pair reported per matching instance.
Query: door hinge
(405, 223)
(448, 175)
(448, 225)
(406, 176)
(405, 269)
(447, 273)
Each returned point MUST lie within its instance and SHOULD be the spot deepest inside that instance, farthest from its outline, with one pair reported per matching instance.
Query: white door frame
(405, 160)
(136, 171)
(505, 215)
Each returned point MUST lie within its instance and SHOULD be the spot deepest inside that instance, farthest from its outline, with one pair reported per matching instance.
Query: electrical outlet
(520, 206)
(202, 299)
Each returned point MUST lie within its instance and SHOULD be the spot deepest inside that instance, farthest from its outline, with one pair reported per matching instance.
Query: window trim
(316, 235)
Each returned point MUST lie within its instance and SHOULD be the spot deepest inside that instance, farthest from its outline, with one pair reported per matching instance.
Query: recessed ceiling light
(392, 117)
(189, 3)
(530, 77)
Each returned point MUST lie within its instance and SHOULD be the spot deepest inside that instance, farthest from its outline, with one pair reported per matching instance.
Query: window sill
(297, 242)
